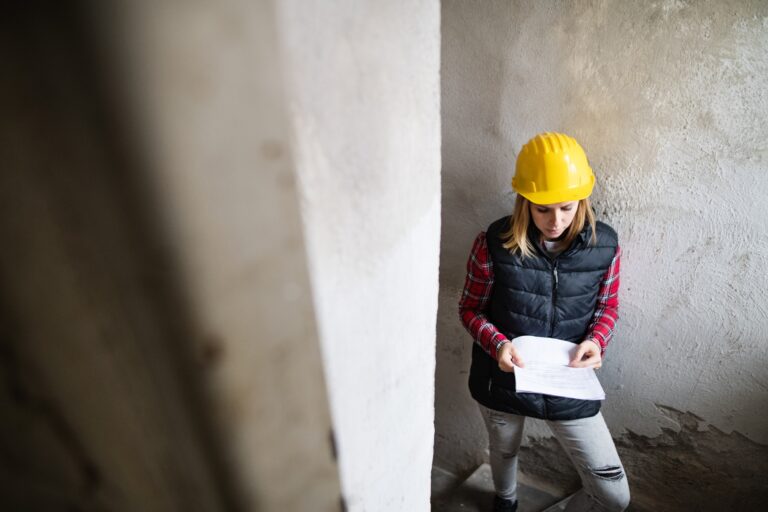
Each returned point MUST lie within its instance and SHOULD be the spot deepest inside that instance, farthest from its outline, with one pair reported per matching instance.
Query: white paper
(546, 370)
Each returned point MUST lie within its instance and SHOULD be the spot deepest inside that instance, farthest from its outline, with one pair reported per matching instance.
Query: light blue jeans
(589, 446)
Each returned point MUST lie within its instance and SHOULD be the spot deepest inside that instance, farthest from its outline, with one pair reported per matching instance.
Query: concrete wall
(669, 101)
(98, 387)
(212, 97)
(364, 88)
(159, 350)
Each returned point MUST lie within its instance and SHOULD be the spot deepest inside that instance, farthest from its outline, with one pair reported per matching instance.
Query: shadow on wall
(99, 400)
(478, 157)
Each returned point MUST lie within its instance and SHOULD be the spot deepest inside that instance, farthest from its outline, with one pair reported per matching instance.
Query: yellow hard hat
(552, 168)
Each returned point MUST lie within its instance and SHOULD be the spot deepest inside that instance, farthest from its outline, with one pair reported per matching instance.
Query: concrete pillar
(365, 106)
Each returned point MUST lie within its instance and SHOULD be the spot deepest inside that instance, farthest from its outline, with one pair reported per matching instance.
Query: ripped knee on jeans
(507, 455)
(608, 472)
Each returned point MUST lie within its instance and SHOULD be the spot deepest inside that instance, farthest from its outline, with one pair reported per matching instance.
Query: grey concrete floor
(475, 494)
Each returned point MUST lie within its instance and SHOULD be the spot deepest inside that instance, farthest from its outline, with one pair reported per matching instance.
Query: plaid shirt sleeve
(475, 298)
(607, 309)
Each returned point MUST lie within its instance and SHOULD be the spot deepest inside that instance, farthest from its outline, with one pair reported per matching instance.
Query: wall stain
(333, 445)
(272, 149)
(212, 351)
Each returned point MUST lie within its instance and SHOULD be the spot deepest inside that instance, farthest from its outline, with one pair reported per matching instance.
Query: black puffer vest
(540, 296)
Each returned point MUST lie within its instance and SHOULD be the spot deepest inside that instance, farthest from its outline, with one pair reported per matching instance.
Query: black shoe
(502, 505)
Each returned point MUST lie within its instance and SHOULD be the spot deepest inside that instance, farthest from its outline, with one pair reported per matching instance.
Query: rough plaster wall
(364, 82)
(669, 101)
(205, 79)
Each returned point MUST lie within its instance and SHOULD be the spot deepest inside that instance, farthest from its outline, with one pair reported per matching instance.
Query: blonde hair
(517, 239)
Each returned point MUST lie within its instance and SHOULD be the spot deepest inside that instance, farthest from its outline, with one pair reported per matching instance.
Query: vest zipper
(554, 298)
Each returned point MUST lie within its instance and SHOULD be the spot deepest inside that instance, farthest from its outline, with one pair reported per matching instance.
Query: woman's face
(553, 219)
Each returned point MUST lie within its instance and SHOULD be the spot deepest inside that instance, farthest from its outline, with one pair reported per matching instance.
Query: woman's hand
(507, 356)
(587, 355)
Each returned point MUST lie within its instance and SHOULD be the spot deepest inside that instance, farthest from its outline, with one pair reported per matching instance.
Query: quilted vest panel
(540, 296)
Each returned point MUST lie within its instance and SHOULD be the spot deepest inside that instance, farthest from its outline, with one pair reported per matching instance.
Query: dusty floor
(450, 494)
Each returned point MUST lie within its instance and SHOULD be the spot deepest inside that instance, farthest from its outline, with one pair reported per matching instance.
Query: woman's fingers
(508, 358)
(586, 363)
(578, 356)
(516, 358)
(505, 364)
(587, 355)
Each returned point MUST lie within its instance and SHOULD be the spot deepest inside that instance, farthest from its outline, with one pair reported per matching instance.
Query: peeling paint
(668, 472)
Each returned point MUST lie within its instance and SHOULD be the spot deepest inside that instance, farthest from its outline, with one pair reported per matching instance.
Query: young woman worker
(548, 270)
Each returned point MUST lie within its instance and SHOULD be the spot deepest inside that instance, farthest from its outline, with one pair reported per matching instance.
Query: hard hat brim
(559, 196)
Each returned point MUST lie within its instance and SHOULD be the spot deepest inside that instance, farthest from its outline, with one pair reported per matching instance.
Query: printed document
(547, 371)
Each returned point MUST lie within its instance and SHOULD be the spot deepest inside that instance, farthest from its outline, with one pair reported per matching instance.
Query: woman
(549, 270)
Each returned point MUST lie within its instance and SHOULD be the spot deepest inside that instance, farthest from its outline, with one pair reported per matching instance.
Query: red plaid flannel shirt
(477, 294)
